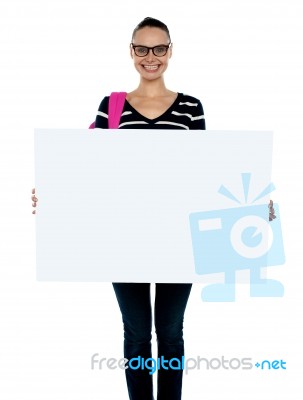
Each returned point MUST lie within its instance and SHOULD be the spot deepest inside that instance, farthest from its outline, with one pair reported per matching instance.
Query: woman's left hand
(271, 211)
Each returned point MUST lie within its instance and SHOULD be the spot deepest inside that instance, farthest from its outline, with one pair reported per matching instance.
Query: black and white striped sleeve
(102, 114)
(192, 108)
(198, 120)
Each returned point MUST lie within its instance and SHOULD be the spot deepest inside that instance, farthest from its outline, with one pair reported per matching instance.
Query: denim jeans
(135, 305)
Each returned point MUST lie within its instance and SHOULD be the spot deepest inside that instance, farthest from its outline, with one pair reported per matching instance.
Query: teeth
(151, 67)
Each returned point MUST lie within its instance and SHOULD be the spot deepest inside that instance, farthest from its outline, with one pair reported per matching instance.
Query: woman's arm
(198, 120)
(102, 114)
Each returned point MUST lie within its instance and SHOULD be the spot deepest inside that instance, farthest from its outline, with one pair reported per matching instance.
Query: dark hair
(153, 23)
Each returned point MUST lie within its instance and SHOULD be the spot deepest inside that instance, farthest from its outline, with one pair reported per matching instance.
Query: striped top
(186, 112)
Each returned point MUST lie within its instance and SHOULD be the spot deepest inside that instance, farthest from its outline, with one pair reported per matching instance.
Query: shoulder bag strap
(115, 108)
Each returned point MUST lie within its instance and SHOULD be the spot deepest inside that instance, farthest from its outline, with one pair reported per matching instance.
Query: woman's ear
(131, 51)
(171, 50)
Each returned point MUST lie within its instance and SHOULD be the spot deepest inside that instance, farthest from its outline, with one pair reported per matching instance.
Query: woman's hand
(34, 200)
(271, 211)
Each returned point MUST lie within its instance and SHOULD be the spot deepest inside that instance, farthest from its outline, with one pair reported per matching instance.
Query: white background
(243, 59)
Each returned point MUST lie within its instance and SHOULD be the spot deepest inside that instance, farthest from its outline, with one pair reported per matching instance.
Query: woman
(152, 106)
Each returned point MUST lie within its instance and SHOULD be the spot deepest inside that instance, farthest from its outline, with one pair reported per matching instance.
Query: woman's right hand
(34, 200)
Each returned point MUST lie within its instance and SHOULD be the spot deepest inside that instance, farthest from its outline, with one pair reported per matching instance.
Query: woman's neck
(155, 88)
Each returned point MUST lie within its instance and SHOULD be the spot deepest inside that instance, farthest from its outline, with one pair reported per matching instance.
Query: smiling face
(151, 67)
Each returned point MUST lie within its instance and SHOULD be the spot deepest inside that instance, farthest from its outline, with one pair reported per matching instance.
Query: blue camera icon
(236, 238)
(229, 240)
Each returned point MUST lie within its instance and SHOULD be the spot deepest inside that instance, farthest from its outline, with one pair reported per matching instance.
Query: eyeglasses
(158, 51)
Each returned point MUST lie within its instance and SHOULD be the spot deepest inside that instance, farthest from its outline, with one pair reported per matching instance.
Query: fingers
(34, 200)
(271, 211)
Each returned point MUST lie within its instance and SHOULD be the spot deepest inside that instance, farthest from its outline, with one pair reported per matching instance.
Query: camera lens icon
(251, 236)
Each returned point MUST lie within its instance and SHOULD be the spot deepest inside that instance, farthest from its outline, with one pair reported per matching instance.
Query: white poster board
(121, 205)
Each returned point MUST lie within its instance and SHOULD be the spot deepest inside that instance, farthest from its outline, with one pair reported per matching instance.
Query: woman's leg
(135, 305)
(170, 303)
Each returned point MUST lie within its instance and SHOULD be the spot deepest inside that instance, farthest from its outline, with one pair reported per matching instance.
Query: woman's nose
(150, 55)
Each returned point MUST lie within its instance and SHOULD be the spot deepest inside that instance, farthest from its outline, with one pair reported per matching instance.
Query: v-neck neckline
(152, 120)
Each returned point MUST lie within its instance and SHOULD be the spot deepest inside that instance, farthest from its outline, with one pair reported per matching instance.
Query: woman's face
(150, 66)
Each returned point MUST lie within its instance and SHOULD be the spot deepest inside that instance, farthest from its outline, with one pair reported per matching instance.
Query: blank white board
(114, 205)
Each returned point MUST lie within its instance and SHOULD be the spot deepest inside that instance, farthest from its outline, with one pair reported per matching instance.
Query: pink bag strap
(115, 108)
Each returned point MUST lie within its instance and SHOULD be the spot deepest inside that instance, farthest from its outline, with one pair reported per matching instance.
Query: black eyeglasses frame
(167, 46)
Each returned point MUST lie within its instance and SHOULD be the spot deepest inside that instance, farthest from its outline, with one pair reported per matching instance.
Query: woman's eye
(141, 50)
(160, 50)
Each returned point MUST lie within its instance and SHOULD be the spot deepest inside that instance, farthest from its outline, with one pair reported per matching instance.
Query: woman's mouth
(151, 68)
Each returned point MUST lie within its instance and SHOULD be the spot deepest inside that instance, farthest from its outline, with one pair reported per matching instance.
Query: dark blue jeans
(135, 305)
